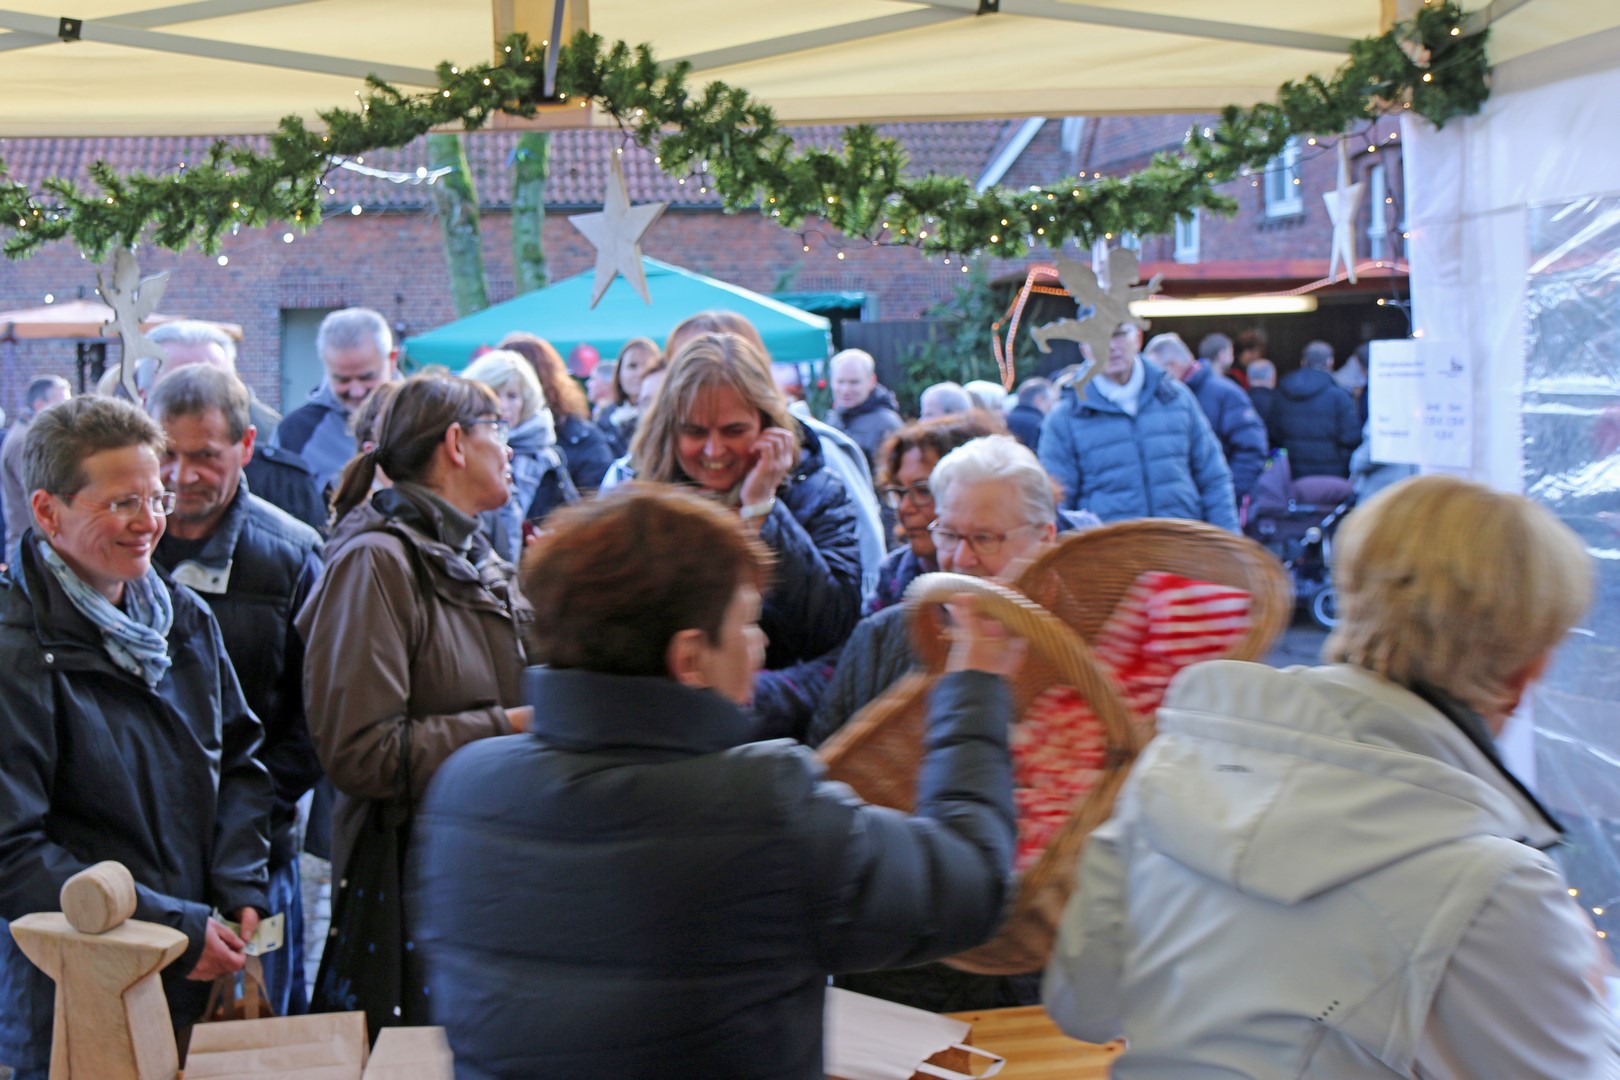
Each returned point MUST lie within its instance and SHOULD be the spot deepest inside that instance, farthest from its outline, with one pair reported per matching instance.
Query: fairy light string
(718, 138)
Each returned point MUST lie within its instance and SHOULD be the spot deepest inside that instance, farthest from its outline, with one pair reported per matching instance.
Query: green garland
(735, 143)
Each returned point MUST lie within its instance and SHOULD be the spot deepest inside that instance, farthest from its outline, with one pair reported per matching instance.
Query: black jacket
(588, 452)
(285, 480)
(1314, 419)
(255, 573)
(635, 890)
(1024, 421)
(95, 765)
(815, 596)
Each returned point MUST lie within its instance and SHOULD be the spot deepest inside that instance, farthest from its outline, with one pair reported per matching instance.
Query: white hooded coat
(1314, 873)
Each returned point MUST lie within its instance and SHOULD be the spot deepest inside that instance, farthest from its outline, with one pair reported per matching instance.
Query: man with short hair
(943, 399)
(357, 349)
(1134, 443)
(1314, 418)
(43, 392)
(276, 475)
(1230, 413)
(1263, 390)
(862, 408)
(1035, 398)
(254, 565)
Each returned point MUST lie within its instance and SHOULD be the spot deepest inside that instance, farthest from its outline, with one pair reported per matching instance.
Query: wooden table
(1034, 1047)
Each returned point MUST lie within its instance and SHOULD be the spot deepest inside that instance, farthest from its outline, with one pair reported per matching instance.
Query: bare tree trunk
(455, 197)
(531, 165)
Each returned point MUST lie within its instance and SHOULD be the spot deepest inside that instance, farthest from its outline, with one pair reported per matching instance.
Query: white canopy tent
(217, 67)
(1474, 190)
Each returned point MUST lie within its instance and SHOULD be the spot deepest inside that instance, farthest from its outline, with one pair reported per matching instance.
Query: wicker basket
(1062, 599)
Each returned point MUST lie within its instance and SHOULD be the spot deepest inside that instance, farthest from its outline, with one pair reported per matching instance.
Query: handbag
(367, 964)
(240, 995)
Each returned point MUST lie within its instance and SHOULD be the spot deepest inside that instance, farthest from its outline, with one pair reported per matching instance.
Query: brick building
(277, 282)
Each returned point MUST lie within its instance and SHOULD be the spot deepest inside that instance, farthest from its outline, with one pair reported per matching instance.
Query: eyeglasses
(130, 506)
(919, 493)
(982, 544)
(499, 428)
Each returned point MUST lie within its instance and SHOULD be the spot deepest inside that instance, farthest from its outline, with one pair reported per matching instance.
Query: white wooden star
(616, 232)
(1342, 205)
(132, 298)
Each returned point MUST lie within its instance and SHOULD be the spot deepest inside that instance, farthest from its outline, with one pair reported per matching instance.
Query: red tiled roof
(579, 163)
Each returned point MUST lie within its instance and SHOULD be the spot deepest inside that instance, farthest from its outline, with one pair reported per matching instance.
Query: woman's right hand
(521, 717)
(980, 643)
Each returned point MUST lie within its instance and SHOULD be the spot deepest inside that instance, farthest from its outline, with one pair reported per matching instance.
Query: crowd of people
(541, 668)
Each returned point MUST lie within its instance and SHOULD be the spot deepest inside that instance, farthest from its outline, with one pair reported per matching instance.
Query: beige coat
(403, 629)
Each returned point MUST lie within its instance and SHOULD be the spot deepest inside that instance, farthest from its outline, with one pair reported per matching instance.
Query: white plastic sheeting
(1515, 255)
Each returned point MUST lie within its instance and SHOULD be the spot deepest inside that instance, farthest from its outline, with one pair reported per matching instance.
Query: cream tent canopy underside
(141, 67)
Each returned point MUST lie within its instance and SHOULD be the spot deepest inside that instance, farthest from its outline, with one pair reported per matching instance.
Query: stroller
(1296, 520)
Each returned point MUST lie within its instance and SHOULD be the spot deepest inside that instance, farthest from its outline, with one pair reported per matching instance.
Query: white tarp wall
(1514, 218)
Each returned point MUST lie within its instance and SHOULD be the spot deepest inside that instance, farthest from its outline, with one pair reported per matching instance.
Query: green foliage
(736, 146)
(961, 349)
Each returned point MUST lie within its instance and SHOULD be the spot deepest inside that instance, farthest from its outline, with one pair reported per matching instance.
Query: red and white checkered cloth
(1163, 624)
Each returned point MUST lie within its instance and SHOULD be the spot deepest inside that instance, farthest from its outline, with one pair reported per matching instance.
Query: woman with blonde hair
(720, 424)
(413, 650)
(585, 448)
(841, 453)
(1328, 872)
(540, 480)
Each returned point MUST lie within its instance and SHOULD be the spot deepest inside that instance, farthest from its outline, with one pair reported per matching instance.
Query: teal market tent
(562, 314)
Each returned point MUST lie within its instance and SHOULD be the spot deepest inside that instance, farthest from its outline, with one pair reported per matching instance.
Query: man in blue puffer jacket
(633, 889)
(1134, 443)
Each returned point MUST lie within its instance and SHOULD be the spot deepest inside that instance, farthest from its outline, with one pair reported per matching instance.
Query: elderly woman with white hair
(540, 480)
(1328, 872)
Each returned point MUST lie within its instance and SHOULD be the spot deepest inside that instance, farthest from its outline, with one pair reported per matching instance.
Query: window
(1130, 241)
(1187, 238)
(1378, 214)
(1283, 195)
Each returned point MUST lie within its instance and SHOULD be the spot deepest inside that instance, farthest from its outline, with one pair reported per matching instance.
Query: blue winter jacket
(636, 891)
(1236, 423)
(1163, 462)
(1315, 420)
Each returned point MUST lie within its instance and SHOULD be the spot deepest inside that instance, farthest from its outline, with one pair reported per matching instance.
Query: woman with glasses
(540, 480)
(413, 647)
(905, 462)
(123, 732)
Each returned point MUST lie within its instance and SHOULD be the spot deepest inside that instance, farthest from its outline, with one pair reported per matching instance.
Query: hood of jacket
(534, 434)
(1155, 383)
(881, 397)
(1306, 383)
(1253, 766)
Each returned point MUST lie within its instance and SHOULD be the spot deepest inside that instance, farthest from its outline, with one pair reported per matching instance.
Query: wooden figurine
(112, 1020)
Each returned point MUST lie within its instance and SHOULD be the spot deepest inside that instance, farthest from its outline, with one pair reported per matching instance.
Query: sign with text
(1420, 404)
(1395, 401)
(1448, 406)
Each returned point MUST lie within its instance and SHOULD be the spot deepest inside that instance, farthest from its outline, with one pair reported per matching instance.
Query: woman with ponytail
(413, 650)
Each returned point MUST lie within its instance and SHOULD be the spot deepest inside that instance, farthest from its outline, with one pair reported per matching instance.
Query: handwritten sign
(1395, 401)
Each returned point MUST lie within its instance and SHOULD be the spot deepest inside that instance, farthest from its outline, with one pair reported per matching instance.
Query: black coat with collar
(95, 765)
(638, 890)
(255, 573)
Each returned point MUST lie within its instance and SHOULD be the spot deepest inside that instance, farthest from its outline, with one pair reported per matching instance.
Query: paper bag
(411, 1053)
(870, 1039)
(329, 1046)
